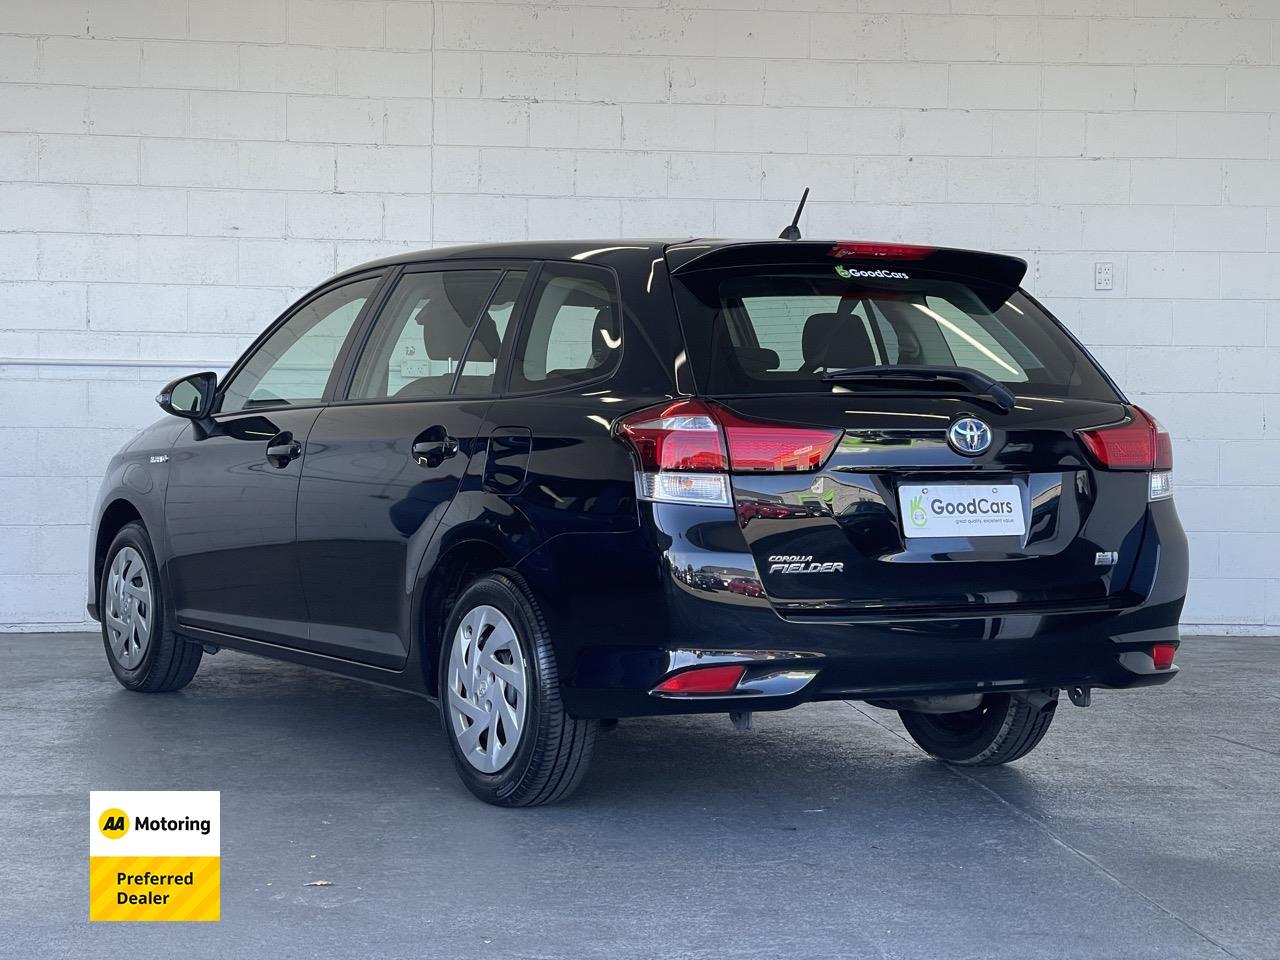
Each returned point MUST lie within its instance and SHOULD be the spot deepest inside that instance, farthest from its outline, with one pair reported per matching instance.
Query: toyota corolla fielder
(555, 484)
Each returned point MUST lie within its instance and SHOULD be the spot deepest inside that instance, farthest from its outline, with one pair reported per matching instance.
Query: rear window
(751, 331)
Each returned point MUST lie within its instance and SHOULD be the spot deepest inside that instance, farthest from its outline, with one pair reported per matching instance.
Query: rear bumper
(879, 662)
(622, 620)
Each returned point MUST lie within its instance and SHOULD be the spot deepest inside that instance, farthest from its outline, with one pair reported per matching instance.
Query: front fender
(135, 483)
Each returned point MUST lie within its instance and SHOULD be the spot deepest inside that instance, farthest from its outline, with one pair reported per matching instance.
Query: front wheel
(1002, 728)
(144, 652)
(512, 742)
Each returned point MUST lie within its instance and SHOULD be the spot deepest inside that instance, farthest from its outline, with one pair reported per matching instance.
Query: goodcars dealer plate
(961, 510)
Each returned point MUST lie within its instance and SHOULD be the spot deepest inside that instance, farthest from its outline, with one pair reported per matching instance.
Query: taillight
(1139, 444)
(767, 448)
(687, 448)
(681, 452)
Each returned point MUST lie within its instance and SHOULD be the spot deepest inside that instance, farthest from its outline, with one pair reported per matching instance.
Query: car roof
(523, 250)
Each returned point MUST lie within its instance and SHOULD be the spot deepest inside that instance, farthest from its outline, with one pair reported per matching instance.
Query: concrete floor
(1147, 826)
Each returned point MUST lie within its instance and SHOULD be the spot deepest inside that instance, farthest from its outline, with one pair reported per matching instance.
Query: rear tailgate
(898, 520)
(843, 539)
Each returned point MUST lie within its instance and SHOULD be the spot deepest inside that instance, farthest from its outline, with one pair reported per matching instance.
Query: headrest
(813, 341)
(835, 342)
(447, 320)
(488, 342)
(604, 336)
(444, 333)
(757, 359)
(468, 291)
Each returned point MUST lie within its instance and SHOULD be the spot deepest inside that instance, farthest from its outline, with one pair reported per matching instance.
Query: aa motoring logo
(114, 824)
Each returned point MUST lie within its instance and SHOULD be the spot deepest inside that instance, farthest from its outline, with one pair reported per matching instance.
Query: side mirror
(191, 397)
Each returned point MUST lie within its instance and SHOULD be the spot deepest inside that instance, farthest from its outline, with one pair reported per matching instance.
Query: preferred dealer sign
(154, 855)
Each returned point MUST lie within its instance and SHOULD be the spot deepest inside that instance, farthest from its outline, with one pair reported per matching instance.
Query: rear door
(385, 461)
(939, 493)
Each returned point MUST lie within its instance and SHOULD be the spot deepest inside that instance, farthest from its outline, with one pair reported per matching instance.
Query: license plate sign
(961, 510)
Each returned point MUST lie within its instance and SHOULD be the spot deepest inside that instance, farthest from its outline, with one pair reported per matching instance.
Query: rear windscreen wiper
(967, 377)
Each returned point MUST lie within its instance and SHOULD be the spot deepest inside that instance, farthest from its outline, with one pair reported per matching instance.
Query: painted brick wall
(172, 172)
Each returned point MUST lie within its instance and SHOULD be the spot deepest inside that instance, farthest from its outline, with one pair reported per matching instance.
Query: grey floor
(1145, 826)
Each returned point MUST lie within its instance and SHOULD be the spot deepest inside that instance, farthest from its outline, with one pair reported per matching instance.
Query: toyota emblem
(969, 436)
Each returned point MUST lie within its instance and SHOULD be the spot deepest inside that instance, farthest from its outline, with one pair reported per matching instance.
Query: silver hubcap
(487, 678)
(129, 612)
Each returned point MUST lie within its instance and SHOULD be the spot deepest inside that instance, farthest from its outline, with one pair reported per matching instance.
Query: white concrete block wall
(173, 172)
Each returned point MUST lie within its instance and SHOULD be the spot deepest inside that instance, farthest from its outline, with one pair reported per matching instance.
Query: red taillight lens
(1140, 444)
(703, 680)
(1164, 445)
(697, 436)
(1162, 655)
(761, 447)
(682, 436)
(896, 251)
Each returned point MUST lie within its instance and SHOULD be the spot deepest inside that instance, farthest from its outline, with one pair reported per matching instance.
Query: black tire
(168, 661)
(999, 730)
(554, 749)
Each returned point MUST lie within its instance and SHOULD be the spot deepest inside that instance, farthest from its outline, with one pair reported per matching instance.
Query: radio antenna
(792, 231)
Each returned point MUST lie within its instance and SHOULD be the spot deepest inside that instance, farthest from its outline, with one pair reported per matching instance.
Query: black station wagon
(555, 484)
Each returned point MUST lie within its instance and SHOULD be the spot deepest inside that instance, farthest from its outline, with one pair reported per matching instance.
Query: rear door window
(423, 333)
(481, 364)
(574, 331)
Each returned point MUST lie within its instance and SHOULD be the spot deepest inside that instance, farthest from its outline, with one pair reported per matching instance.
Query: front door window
(293, 365)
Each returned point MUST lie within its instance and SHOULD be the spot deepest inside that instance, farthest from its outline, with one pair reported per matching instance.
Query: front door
(384, 463)
(233, 487)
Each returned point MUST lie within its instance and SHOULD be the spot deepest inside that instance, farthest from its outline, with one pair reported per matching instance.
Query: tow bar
(1080, 696)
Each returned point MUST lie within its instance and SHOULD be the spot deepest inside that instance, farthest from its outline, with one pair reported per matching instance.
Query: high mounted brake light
(849, 249)
(687, 448)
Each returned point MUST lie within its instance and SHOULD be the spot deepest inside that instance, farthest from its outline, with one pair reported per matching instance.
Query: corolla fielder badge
(802, 564)
(969, 436)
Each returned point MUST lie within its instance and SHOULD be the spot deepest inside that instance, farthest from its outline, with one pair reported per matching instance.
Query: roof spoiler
(996, 268)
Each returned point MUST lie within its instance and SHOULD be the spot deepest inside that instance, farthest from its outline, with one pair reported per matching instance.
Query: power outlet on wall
(1104, 275)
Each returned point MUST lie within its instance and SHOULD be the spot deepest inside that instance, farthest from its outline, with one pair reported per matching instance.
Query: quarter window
(575, 331)
(293, 365)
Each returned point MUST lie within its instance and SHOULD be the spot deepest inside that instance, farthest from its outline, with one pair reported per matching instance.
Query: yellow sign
(154, 855)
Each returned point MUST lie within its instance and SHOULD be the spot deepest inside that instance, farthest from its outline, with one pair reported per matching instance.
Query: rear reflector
(1162, 655)
(703, 680)
(1139, 444)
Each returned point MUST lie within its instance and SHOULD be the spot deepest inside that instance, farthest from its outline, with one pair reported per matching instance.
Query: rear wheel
(144, 652)
(511, 740)
(1002, 728)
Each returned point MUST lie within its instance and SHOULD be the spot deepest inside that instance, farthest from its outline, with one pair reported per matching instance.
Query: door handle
(432, 447)
(282, 448)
